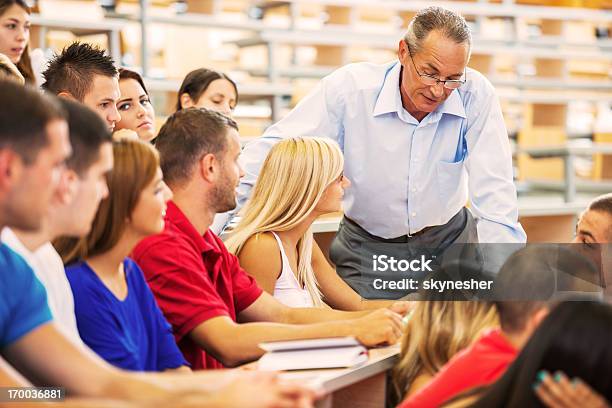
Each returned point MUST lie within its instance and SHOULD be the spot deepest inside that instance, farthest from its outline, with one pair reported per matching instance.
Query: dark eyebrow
(124, 100)
(587, 233)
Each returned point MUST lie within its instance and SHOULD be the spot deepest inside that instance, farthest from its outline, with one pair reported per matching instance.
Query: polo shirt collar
(175, 216)
(390, 100)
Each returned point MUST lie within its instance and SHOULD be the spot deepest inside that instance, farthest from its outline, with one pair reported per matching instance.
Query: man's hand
(560, 392)
(381, 327)
(264, 390)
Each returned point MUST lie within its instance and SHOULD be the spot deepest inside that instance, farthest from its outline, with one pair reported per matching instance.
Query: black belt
(400, 239)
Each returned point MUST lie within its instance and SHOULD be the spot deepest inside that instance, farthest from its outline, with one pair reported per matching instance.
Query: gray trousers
(348, 253)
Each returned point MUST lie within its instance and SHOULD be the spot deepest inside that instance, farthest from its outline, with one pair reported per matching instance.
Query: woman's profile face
(220, 96)
(331, 200)
(14, 32)
(148, 215)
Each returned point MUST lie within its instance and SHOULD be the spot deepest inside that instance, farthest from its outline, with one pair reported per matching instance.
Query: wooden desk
(364, 386)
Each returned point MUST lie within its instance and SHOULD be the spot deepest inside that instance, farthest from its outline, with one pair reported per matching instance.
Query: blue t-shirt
(23, 299)
(132, 333)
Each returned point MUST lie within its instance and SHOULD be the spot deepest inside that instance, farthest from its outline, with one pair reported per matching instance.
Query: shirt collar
(390, 100)
(176, 217)
(453, 105)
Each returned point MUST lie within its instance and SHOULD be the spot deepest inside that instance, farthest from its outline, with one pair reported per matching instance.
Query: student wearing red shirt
(526, 280)
(218, 312)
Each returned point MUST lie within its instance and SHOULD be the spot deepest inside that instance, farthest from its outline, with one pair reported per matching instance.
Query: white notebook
(337, 352)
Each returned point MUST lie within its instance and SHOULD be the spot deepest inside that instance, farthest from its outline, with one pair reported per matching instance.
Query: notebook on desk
(337, 352)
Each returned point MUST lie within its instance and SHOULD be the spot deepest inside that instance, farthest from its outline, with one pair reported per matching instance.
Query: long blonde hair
(290, 184)
(436, 331)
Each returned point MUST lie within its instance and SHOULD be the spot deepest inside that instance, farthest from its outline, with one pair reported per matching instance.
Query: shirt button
(414, 214)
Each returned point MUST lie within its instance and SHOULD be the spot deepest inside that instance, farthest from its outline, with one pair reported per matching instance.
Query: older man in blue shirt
(420, 136)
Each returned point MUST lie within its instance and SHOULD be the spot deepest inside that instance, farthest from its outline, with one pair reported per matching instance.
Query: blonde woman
(436, 331)
(301, 179)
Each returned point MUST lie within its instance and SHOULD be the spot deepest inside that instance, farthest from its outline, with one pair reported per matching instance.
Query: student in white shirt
(301, 179)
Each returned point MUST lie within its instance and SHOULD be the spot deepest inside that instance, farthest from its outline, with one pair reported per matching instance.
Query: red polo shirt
(194, 278)
(480, 364)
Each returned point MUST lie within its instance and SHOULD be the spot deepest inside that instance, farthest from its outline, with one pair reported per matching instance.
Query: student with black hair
(15, 36)
(87, 74)
(571, 344)
(205, 88)
(135, 107)
(595, 223)
(70, 213)
(524, 290)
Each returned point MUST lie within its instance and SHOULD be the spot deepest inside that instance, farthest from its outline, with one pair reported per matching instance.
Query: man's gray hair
(435, 18)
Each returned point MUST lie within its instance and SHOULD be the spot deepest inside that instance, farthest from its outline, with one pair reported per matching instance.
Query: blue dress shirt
(407, 175)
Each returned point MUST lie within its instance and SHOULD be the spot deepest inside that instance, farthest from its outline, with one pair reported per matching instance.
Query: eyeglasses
(432, 81)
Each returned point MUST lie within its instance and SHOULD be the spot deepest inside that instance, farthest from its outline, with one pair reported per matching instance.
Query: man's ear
(209, 168)
(10, 167)
(186, 101)
(67, 95)
(68, 187)
(402, 51)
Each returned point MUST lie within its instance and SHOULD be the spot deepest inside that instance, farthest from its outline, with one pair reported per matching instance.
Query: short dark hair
(531, 277)
(87, 133)
(125, 73)
(186, 137)
(73, 70)
(24, 117)
(197, 82)
(574, 339)
(602, 203)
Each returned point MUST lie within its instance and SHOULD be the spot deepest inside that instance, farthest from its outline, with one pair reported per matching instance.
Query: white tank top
(287, 290)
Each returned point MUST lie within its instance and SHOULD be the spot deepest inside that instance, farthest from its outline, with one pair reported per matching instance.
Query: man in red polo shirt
(218, 313)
